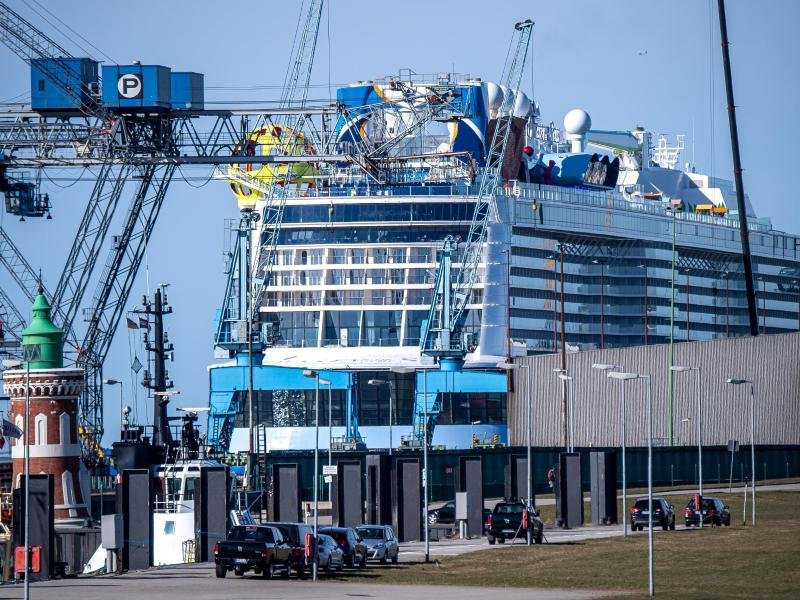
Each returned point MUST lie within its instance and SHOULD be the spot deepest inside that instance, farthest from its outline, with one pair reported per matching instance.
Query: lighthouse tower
(51, 431)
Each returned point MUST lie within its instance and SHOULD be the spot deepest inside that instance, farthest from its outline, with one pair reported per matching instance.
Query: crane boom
(451, 295)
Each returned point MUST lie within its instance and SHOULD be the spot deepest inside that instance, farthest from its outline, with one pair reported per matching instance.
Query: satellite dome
(522, 105)
(577, 122)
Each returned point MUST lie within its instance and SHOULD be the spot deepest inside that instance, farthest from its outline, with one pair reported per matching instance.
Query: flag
(131, 323)
(10, 430)
(144, 323)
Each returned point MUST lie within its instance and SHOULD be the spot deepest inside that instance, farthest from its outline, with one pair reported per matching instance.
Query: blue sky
(651, 63)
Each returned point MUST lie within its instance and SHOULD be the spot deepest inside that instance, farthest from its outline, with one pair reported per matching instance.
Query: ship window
(169, 528)
(191, 483)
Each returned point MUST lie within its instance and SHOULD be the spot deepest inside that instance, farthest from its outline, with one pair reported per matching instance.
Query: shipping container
(187, 90)
(136, 88)
(62, 84)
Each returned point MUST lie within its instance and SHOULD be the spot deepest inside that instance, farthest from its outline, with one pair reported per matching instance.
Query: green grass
(719, 562)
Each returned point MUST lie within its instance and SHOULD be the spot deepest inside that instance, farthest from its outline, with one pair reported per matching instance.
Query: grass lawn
(718, 562)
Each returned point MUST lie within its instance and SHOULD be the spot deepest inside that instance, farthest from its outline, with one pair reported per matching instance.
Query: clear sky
(651, 63)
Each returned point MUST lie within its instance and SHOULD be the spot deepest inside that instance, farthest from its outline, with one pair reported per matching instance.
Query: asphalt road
(197, 582)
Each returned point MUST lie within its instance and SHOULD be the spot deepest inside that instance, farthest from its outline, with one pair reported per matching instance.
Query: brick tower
(51, 430)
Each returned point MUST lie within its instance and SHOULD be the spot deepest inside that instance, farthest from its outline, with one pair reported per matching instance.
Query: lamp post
(315, 375)
(679, 369)
(391, 385)
(15, 364)
(330, 430)
(528, 413)
(609, 367)
(625, 377)
(567, 381)
(752, 438)
(119, 383)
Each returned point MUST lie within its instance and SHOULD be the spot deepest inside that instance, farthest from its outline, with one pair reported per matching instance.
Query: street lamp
(679, 369)
(610, 367)
(15, 364)
(386, 382)
(752, 437)
(314, 375)
(625, 377)
(567, 379)
(529, 411)
(119, 383)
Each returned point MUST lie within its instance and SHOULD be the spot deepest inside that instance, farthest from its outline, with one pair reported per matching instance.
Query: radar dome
(577, 122)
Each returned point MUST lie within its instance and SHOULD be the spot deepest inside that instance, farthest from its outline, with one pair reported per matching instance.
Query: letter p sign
(129, 86)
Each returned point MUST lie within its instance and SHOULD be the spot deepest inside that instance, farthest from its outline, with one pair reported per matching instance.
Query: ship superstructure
(356, 257)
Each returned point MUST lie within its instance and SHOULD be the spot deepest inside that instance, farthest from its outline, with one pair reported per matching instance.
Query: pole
(728, 306)
(737, 174)
(26, 589)
(646, 307)
(563, 355)
(316, 479)
(688, 324)
(391, 386)
(753, 446)
(528, 443)
(425, 464)
(700, 444)
(121, 415)
(602, 303)
(650, 485)
(330, 428)
(671, 381)
(624, 482)
(571, 417)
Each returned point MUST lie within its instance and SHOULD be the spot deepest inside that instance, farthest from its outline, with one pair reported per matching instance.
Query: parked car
(259, 548)
(295, 536)
(354, 549)
(381, 542)
(330, 555)
(715, 512)
(506, 523)
(444, 515)
(663, 514)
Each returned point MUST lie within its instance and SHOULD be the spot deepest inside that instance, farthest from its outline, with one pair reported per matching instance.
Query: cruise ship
(606, 233)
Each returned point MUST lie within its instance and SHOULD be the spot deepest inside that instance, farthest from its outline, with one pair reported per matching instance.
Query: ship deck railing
(529, 192)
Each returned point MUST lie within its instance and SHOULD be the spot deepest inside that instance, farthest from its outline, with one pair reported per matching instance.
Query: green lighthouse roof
(42, 341)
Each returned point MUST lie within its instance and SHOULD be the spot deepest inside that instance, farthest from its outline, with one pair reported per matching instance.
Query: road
(197, 582)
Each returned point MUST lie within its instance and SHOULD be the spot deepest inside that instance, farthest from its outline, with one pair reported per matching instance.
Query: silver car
(330, 555)
(380, 541)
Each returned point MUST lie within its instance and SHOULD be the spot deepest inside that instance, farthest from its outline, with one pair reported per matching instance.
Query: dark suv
(715, 512)
(295, 535)
(663, 514)
(353, 547)
(506, 523)
(444, 515)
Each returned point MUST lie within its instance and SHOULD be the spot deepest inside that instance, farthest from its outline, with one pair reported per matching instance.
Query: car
(444, 515)
(295, 535)
(330, 555)
(354, 549)
(487, 519)
(663, 514)
(715, 512)
(381, 542)
(259, 548)
(507, 522)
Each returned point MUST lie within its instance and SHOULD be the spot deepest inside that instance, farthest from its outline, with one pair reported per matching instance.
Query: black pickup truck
(259, 548)
(506, 523)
